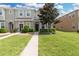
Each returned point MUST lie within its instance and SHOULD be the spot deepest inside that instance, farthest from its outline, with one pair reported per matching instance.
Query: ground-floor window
(1, 24)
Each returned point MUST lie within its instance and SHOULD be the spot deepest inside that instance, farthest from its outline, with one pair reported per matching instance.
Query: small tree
(48, 14)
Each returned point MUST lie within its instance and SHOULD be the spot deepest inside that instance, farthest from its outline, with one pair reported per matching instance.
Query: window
(72, 15)
(73, 27)
(21, 14)
(10, 11)
(0, 12)
(2, 25)
(28, 14)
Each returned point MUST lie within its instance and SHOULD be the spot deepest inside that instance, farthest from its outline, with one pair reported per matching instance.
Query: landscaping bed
(13, 46)
(59, 44)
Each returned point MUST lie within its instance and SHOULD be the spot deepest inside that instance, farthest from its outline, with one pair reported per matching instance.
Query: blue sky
(67, 6)
(63, 7)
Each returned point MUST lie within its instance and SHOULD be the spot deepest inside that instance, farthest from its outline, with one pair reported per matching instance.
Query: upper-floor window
(10, 11)
(21, 14)
(28, 14)
(73, 27)
(72, 15)
(0, 12)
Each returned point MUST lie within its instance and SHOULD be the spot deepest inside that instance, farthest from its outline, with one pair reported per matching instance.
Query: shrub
(31, 30)
(15, 30)
(25, 29)
(3, 30)
(47, 31)
(43, 30)
(53, 30)
(78, 31)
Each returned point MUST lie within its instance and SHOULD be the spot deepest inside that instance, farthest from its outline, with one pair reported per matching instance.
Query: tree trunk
(42, 26)
(49, 27)
(54, 31)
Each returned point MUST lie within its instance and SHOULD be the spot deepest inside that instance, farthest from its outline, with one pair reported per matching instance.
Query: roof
(67, 14)
(18, 8)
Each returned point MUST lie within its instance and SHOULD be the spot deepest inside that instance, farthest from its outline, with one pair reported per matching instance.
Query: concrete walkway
(4, 34)
(32, 47)
(8, 35)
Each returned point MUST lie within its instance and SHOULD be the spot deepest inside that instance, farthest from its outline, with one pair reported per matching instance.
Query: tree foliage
(48, 13)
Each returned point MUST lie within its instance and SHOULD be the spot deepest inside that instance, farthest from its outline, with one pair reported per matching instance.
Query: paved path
(8, 35)
(4, 34)
(32, 47)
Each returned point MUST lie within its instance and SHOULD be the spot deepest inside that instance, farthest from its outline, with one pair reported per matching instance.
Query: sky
(63, 8)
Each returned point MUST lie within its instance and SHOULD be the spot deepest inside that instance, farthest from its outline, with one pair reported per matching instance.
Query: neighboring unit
(69, 22)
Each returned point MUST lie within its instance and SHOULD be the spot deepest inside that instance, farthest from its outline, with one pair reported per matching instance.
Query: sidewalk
(4, 34)
(32, 47)
(8, 35)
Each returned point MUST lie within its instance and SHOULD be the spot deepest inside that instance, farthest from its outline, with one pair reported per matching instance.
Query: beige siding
(69, 22)
(2, 17)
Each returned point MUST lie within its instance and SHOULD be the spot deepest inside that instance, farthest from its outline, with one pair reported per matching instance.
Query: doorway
(10, 27)
(21, 27)
(37, 27)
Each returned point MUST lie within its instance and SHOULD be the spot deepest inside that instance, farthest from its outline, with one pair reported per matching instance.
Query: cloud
(30, 5)
(5, 6)
(59, 6)
(63, 12)
(34, 5)
(75, 6)
(19, 5)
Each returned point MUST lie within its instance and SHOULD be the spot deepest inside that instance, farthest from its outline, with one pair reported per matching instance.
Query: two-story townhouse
(17, 18)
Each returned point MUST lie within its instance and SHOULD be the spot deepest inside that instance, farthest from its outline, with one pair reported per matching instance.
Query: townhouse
(69, 22)
(17, 18)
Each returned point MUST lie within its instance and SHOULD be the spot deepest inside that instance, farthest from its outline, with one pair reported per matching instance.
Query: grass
(59, 44)
(13, 45)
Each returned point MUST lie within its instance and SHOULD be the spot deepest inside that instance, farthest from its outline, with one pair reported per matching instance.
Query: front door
(10, 26)
(37, 27)
(21, 26)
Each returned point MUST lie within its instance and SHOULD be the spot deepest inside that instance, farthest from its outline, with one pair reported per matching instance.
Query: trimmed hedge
(31, 30)
(3, 30)
(48, 31)
(27, 29)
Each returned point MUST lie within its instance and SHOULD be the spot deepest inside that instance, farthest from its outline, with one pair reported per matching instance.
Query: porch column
(40, 26)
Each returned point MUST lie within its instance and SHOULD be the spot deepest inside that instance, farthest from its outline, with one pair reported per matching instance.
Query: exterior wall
(28, 17)
(68, 22)
(9, 17)
(29, 23)
(26, 13)
(2, 16)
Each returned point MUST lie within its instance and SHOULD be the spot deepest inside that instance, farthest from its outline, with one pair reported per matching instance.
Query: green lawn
(60, 44)
(13, 45)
